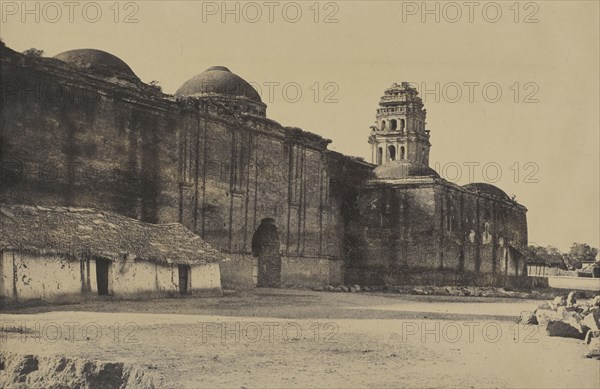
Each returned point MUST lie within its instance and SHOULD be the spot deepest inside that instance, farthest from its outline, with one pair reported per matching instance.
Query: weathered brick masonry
(78, 137)
(82, 130)
(413, 227)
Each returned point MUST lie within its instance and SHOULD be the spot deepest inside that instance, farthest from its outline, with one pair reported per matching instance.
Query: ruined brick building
(411, 226)
(81, 130)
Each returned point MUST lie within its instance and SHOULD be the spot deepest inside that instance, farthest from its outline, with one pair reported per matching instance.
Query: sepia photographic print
(300, 194)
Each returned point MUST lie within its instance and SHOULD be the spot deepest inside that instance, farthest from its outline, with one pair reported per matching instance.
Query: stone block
(564, 329)
(528, 317)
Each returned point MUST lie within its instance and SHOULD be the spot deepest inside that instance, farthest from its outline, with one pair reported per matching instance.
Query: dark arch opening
(379, 155)
(265, 246)
(402, 124)
(393, 124)
(383, 125)
(392, 152)
(402, 152)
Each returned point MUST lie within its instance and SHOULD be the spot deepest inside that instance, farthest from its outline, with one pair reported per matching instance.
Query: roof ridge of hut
(88, 232)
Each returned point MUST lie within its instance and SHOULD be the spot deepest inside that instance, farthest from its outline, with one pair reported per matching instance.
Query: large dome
(97, 61)
(490, 190)
(218, 80)
(403, 169)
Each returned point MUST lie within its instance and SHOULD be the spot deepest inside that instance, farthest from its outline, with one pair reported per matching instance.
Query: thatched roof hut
(89, 233)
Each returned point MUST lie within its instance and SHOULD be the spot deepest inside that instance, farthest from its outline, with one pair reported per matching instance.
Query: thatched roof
(89, 233)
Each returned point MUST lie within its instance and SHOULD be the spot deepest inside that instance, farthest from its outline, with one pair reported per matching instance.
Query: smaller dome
(97, 61)
(220, 81)
(221, 68)
(403, 169)
(490, 190)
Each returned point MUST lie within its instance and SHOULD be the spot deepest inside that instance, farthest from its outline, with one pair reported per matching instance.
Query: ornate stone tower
(399, 132)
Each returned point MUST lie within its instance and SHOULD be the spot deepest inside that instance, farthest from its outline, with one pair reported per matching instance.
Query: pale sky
(552, 140)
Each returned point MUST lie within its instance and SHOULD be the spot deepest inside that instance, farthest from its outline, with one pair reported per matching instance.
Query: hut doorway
(184, 278)
(102, 271)
(265, 246)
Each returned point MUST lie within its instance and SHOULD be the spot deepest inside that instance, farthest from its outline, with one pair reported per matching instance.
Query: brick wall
(74, 139)
(431, 225)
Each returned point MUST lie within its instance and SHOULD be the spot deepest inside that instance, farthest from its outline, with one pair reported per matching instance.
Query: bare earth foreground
(292, 339)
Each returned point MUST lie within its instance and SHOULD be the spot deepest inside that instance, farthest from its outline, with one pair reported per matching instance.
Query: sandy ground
(293, 339)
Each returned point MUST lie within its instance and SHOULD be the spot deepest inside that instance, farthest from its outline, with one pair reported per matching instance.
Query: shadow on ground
(304, 304)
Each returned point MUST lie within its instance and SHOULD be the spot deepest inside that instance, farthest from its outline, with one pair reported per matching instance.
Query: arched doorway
(265, 246)
(392, 152)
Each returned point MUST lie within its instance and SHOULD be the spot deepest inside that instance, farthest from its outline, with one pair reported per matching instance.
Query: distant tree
(155, 84)
(581, 252)
(550, 255)
(34, 53)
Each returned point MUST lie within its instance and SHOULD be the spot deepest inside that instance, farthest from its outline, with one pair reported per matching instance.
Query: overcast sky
(541, 131)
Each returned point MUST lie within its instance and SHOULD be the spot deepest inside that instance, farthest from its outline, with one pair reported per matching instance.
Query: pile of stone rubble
(343, 288)
(569, 318)
(473, 291)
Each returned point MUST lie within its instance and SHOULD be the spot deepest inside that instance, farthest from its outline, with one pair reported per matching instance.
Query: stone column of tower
(399, 131)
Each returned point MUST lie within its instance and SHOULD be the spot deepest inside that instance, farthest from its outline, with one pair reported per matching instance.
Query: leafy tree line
(553, 257)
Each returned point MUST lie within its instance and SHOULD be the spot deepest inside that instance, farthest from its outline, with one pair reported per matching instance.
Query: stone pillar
(373, 153)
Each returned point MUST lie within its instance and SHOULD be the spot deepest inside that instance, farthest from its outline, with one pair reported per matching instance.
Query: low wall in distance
(574, 283)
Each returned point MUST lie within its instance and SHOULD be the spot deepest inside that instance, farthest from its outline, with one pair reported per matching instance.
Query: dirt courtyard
(282, 338)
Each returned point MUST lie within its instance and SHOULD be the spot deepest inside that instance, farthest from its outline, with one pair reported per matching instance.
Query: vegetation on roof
(89, 233)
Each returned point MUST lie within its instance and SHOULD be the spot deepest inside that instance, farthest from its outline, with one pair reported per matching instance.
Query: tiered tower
(399, 132)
